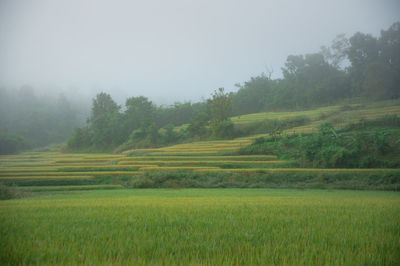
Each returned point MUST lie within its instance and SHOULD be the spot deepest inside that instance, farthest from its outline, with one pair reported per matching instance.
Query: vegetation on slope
(309, 80)
(366, 144)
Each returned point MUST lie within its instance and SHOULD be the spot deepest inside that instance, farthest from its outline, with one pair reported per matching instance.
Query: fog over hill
(168, 50)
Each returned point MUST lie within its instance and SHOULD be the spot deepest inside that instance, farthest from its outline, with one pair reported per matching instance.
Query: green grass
(211, 227)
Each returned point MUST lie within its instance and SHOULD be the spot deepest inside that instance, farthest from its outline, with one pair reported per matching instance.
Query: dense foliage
(366, 144)
(362, 66)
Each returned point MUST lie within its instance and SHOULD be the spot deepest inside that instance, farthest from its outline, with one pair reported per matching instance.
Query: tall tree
(139, 113)
(220, 108)
(103, 104)
(104, 122)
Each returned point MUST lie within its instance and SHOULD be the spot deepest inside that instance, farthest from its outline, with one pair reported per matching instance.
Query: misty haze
(199, 132)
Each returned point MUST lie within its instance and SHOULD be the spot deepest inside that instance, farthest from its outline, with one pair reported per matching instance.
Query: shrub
(224, 129)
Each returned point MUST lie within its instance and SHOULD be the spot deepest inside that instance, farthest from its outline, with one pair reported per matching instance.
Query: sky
(169, 51)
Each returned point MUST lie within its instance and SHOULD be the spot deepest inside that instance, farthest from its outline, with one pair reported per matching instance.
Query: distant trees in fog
(362, 67)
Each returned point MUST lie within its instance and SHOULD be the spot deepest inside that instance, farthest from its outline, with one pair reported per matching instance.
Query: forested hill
(355, 69)
(361, 66)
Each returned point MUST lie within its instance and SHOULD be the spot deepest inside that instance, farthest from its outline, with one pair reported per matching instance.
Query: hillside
(212, 163)
(338, 115)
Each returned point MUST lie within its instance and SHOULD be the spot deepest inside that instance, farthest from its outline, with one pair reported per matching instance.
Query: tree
(390, 56)
(139, 113)
(254, 96)
(198, 125)
(375, 64)
(311, 80)
(104, 122)
(220, 107)
(337, 52)
(103, 104)
(80, 139)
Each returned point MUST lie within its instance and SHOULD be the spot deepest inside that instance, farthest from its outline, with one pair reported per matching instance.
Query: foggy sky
(171, 50)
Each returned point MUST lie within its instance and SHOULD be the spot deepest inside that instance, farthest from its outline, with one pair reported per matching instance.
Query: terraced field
(202, 156)
(85, 171)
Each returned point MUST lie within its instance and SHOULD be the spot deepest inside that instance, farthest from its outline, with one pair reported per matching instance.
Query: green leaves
(220, 107)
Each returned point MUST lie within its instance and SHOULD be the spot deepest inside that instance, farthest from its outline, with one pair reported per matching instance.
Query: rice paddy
(43, 166)
(202, 227)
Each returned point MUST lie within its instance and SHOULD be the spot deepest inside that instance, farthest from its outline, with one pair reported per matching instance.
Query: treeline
(143, 124)
(29, 121)
(361, 66)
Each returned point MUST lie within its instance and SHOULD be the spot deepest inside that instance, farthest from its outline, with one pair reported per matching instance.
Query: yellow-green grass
(69, 188)
(183, 152)
(202, 227)
(45, 177)
(26, 169)
(353, 115)
(96, 173)
(199, 158)
(200, 147)
(103, 168)
(177, 168)
(79, 164)
(216, 162)
(35, 164)
(311, 114)
(347, 117)
(82, 160)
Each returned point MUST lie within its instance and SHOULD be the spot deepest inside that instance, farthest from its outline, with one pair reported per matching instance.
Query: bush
(80, 140)
(378, 148)
(224, 129)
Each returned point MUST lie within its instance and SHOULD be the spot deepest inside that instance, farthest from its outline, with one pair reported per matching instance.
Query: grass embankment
(206, 227)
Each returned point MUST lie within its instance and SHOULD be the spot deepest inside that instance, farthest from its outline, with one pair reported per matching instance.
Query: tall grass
(202, 227)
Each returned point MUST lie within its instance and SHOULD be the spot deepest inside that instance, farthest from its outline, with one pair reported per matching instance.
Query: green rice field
(202, 227)
(83, 209)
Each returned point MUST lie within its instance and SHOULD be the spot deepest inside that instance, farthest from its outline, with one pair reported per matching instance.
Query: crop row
(200, 158)
(96, 173)
(206, 163)
(46, 177)
(69, 188)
